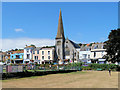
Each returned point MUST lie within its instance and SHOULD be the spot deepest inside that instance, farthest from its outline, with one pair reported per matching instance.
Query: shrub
(86, 68)
(104, 66)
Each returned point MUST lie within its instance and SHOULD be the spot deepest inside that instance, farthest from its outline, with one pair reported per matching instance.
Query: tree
(80, 44)
(16, 49)
(32, 45)
(112, 46)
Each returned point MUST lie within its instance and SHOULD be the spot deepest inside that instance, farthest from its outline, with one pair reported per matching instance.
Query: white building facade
(84, 53)
(97, 53)
(28, 54)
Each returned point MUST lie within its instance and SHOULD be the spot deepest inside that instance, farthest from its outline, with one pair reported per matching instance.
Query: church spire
(60, 31)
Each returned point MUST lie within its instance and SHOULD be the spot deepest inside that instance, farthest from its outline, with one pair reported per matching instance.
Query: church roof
(60, 32)
(74, 44)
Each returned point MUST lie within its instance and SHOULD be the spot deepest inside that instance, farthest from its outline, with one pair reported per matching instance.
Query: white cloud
(21, 42)
(19, 30)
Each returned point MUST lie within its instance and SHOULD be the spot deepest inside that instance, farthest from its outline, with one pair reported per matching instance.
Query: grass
(80, 79)
(78, 72)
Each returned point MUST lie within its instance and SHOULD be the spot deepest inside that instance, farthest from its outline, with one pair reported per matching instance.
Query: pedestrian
(109, 71)
(50, 66)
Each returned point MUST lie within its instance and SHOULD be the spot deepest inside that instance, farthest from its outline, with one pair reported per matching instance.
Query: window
(27, 50)
(35, 57)
(88, 56)
(37, 51)
(84, 56)
(87, 49)
(43, 57)
(48, 57)
(58, 51)
(48, 52)
(17, 56)
(42, 52)
(33, 52)
(94, 54)
(28, 56)
(102, 54)
(95, 47)
(66, 46)
(75, 54)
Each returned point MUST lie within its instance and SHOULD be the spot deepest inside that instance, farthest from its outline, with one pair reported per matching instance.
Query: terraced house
(28, 54)
(85, 52)
(17, 56)
(43, 55)
(2, 56)
(7, 56)
(97, 53)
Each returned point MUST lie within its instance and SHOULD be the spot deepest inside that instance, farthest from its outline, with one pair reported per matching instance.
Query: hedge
(113, 67)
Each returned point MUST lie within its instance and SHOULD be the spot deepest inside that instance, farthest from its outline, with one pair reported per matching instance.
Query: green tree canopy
(32, 45)
(112, 46)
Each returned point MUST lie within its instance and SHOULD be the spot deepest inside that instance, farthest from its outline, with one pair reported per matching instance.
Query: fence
(22, 68)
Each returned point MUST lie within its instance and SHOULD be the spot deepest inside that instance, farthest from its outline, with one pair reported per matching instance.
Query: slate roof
(85, 48)
(37, 48)
(97, 46)
(74, 44)
(29, 46)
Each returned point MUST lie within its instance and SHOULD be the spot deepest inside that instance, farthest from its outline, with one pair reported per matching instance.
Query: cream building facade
(42, 55)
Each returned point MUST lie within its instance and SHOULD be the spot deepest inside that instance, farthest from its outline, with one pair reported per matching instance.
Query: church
(65, 49)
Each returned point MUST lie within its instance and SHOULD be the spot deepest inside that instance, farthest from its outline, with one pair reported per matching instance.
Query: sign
(14, 69)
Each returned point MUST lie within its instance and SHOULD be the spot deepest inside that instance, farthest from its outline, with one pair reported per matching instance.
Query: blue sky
(83, 21)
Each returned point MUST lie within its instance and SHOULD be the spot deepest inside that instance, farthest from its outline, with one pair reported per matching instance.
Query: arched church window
(75, 53)
(66, 46)
(58, 51)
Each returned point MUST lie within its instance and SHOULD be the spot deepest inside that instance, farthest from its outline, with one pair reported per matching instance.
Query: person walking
(109, 71)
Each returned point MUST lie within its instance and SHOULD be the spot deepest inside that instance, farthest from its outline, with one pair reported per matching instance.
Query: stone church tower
(60, 40)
